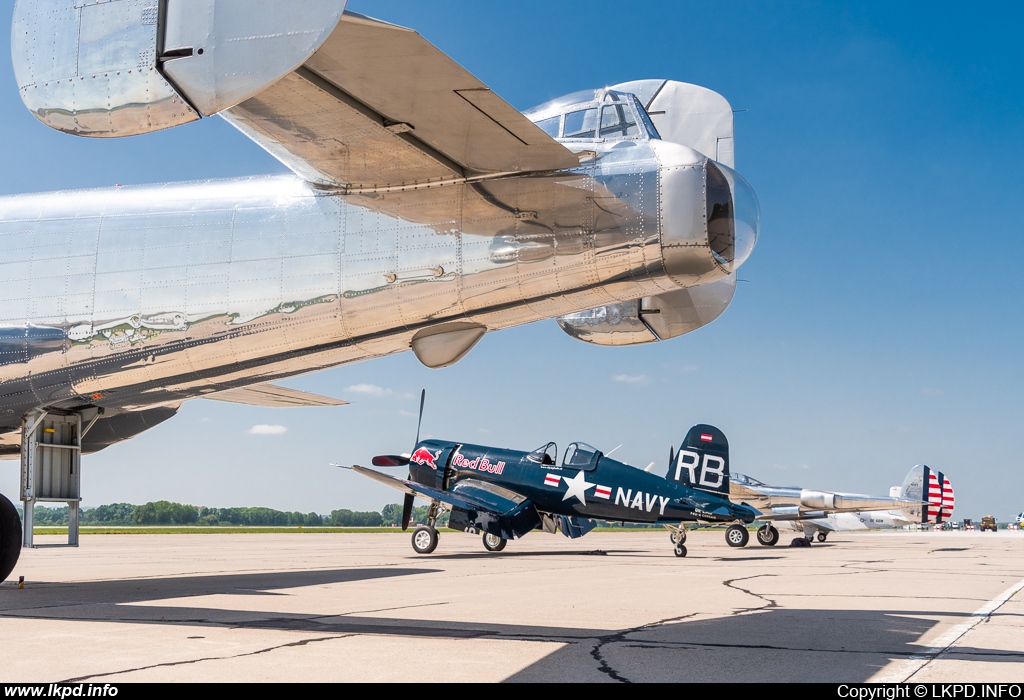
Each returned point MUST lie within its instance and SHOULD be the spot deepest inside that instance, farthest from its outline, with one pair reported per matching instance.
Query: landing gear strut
(677, 533)
(424, 537)
(10, 537)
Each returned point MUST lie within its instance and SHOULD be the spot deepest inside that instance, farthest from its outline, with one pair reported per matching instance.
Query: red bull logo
(423, 456)
(480, 464)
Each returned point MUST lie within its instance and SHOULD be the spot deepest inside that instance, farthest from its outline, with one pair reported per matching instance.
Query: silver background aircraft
(426, 211)
(925, 498)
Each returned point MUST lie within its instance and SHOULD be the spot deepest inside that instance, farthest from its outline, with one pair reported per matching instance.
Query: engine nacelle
(818, 500)
(651, 319)
(126, 67)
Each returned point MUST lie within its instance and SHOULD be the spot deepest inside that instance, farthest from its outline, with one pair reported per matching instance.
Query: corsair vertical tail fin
(703, 460)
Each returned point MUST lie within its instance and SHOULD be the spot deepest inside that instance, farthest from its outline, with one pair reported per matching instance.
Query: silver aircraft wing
(850, 504)
(470, 498)
(378, 106)
(274, 396)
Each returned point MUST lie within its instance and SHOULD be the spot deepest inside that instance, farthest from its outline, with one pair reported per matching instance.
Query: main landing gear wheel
(424, 539)
(767, 536)
(493, 543)
(822, 536)
(677, 537)
(737, 536)
(680, 550)
(10, 537)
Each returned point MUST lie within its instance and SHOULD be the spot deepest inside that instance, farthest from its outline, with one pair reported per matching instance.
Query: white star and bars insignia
(578, 486)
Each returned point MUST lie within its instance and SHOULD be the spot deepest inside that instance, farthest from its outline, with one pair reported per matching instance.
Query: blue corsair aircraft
(505, 494)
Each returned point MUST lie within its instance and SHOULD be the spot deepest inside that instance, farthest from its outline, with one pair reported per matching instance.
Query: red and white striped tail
(934, 497)
(940, 497)
(947, 499)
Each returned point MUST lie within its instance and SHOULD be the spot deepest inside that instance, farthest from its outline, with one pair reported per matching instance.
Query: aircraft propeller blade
(423, 397)
(390, 461)
(407, 511)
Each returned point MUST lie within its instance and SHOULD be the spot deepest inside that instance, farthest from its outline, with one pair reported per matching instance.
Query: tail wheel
(768, 536)
(737, 536)
(424, 539)
(680, 550)
(822, 536)
(10, 537)
(493, 543)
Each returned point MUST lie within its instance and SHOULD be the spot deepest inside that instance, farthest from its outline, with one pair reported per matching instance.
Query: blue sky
(878, 325)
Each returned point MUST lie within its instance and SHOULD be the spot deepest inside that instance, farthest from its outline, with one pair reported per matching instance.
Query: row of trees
(167, 513)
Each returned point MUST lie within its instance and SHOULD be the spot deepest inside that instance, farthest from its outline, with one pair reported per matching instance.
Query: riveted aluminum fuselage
(131, 297)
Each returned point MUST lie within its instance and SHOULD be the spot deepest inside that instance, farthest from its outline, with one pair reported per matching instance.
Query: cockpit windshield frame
(545, 454)
(595, 116)
(580, 455)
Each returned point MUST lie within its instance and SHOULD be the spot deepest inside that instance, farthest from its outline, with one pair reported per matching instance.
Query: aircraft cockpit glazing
(580, 455)
(745, 480)
(546, 454)
(601, 115)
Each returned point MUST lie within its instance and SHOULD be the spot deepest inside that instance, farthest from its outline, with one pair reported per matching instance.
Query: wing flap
(274, 396)
(378, 106)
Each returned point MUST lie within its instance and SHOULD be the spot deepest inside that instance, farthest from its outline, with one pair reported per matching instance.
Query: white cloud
(630, 378)
(370, 390)
(268, 430)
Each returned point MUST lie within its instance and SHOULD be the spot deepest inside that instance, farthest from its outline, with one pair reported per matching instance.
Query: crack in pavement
(400, 607)
(602, 664)
(300, 643)
(769, 602)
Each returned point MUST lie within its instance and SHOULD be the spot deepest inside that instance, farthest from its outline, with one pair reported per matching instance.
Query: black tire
(677, 537)
(10, 537)
(680, 550)
(424, 539)
(822, 536)
(493, 543)
(767, 536)
(737, 536)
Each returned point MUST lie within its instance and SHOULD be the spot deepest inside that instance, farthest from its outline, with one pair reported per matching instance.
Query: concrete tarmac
(609, 607)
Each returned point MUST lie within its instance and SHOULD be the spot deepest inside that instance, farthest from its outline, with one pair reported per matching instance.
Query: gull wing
(468, 498)
(274, 396)
(378, 106)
